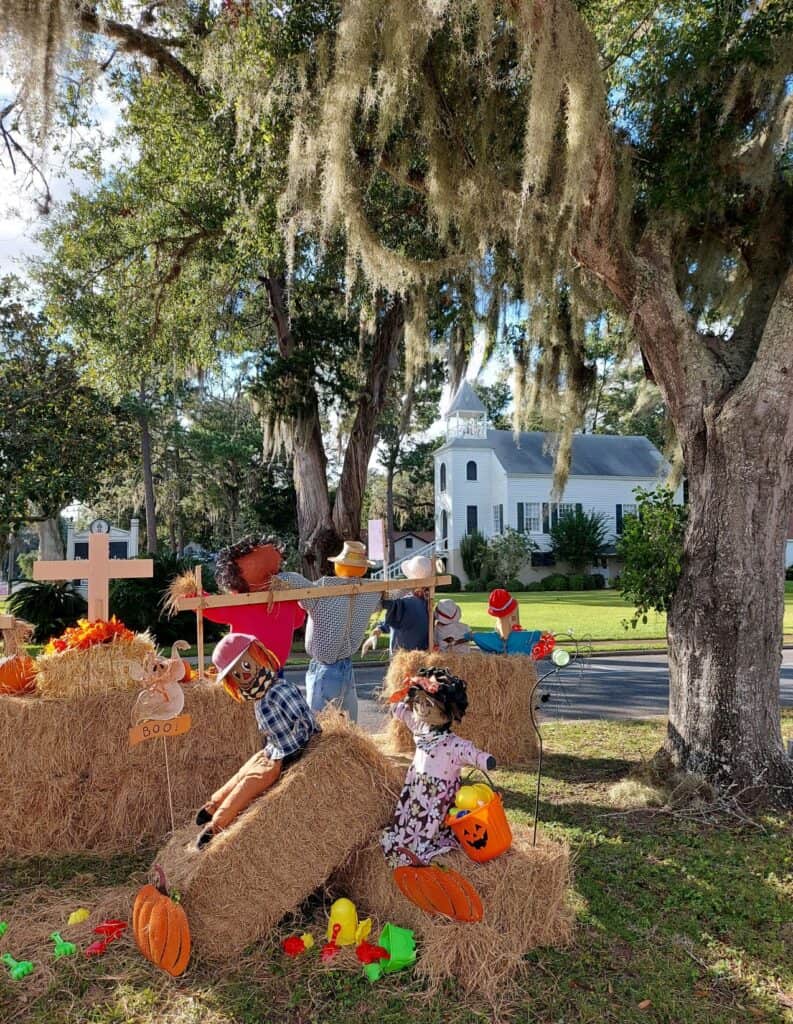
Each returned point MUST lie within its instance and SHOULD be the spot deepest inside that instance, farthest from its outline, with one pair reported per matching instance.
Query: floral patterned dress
(430, 787)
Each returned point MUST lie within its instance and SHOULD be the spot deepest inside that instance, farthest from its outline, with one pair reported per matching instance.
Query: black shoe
(204, 839)
(203, 817)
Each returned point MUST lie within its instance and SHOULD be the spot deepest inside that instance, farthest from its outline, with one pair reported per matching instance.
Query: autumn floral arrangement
(85, 634)
(92, 657)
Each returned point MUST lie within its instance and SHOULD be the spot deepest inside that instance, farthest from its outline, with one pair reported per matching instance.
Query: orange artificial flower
(87, 634)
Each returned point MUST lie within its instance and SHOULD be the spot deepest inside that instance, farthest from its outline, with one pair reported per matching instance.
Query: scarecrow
(406, 618)
(250, 566)
(509, 636)
(336, 628)
(428, 703)
(248, 671)
(450, 633)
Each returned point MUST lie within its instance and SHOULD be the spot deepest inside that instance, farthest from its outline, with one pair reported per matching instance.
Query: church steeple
(467, 415)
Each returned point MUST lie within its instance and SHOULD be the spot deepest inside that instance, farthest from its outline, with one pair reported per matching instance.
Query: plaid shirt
(285, 719)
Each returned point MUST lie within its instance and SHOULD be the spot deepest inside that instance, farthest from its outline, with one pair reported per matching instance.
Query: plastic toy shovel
(400, 944)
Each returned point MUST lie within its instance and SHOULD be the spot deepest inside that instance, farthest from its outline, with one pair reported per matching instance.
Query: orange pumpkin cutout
(17, 674)
(160, 927)
(438, 891)
(483, 833)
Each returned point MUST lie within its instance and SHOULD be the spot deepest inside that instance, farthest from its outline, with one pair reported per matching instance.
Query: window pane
(532, 516)
(629, 510)
(471, 518)
(566, 508)
(470, 471)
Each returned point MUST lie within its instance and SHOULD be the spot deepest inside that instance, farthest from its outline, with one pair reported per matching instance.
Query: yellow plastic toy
(350, 931)
(470, 797)
(78, 916)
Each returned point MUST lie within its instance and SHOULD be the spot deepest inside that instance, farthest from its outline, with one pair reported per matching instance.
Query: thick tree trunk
(50, 542)
(318, 536)
(382, 361)
(148, 481)
(725, 626)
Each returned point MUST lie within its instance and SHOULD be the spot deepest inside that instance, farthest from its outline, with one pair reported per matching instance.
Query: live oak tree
(574, 157)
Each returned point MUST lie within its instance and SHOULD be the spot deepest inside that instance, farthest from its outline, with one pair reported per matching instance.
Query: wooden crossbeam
(309, 593)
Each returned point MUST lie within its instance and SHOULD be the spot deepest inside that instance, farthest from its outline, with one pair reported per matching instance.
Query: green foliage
(651, 548)
(59, 438)
(555, 581)
(51, 607)
(138, 603)
(25, 562)
(512, 552)
(579, 538)
(475, 555)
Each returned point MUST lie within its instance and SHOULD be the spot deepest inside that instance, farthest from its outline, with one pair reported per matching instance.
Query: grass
(676, 924)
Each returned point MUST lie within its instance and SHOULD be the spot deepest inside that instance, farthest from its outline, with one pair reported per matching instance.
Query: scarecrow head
(504, 608)
(352, 562)
(245, 666)
(249, 565)
(436, 697)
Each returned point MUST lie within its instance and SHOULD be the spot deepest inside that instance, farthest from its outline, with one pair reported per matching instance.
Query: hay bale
(497, 719)
(71, 784)
(286, 844)
(100, 669)
(524, 895)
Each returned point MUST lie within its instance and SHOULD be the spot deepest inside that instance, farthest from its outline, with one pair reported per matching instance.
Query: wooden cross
(98, 570)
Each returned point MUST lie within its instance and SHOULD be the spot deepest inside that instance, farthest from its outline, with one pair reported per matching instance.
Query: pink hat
(229, 651)
(501, 603)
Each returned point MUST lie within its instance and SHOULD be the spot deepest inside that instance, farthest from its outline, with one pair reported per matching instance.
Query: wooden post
(431, 622)
(200, 625)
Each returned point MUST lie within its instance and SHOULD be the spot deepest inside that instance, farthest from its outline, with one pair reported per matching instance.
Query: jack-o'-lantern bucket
(483, 833)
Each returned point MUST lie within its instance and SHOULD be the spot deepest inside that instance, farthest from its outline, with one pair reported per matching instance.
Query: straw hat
(501, 603)
(417, 568)
(353, 554)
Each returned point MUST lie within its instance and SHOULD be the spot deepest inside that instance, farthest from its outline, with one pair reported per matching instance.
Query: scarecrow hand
(370, 644)
(491, 763)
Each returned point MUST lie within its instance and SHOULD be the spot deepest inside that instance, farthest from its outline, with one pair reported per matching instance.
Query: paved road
(617, 686)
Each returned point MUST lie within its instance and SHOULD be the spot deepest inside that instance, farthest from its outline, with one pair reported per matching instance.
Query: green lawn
(598, 614)
(678, 921)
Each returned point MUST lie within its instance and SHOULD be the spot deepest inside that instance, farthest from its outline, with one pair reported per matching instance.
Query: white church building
(488, 480)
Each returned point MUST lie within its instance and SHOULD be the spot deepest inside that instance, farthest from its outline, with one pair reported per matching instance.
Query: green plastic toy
(401, 946)
(62, 947)
(3, 928)
(18, 969)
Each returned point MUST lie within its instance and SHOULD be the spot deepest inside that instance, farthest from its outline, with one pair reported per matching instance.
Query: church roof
(466, 400)
(532, 454)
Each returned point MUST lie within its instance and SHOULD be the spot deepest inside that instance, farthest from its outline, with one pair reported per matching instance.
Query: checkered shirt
(285, 719)
(336, 625)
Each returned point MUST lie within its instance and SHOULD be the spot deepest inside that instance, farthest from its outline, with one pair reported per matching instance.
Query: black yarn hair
(452, 693)
(227, 573)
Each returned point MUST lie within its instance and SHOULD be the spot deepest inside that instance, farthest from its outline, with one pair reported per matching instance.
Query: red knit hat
(501, 603)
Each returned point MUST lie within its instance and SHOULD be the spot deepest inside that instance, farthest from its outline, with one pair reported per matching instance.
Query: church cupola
(467, 415)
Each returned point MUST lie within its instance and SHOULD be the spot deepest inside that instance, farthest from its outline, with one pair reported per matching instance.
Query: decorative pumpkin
(437, 890)
(160, 927)
(17, 674)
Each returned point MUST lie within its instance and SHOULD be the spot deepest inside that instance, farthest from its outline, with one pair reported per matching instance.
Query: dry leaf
(645, 1004)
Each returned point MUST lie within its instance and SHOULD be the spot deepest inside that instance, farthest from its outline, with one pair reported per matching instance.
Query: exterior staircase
(393, 569)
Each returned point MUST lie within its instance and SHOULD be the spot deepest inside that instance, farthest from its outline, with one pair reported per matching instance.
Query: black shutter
(521, 523)
(554, 515)
(619, 520)
(546, 518)
(578, 507)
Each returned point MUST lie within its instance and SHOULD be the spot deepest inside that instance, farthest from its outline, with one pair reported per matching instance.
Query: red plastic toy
(368, 953)
(111, 930)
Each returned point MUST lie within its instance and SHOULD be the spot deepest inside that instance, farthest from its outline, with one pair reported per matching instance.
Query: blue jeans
(335, 684)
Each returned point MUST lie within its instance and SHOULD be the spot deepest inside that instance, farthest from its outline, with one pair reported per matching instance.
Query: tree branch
(13, 146)
(134, 40)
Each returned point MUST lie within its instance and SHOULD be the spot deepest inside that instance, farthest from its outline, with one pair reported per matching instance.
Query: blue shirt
(285, 719)
(408, 620)
(519, 641)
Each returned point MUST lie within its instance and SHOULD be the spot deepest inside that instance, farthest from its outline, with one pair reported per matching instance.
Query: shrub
(651, 548)
(556, 581)
(514, 586)
(789, 573)
(534, 586)
(579, 538)
(474, 586)
(511, 552)
(598, 580)
(50, 607)
(576, 581)
(452, 588)
(474, 555)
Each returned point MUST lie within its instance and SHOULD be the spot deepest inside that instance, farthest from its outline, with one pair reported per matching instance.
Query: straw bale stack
(287, 844)
(100, 669)
(524, 896)
(497, 719)
(71, 784)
